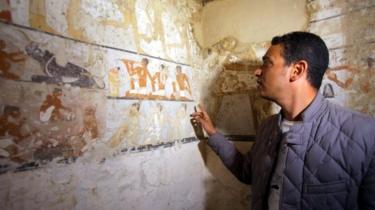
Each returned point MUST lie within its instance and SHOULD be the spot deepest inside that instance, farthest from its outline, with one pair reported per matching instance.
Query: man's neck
(296, 104)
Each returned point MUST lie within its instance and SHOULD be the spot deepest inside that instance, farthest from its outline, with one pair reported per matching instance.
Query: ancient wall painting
(41, 122)
(9, 59)
(54, 73)
(52, 98)
(57, 95)
(143, 26)
(356, 75)
(342, 83)
(133, 76)
(134, 123)
(5, 11)
(355, 81)
(30, 56)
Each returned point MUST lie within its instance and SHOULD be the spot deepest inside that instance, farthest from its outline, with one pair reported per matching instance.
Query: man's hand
(202, 118)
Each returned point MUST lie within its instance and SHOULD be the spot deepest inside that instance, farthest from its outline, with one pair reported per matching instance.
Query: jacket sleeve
(237, 163)
(367, 188)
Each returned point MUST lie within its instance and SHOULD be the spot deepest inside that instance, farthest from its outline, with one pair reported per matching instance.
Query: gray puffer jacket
(330, 160)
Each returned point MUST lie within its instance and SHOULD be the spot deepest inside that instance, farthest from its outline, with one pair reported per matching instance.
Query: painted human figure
(87, 133)
(138, 77)
(181, 87)
(114, 81)
(179, 127)
(159, 80)
(155, 124)
(5, 65)
(5, 9)
(90, 126)
(11, 124)
(129, 129)
(365, 81)
(52, 107)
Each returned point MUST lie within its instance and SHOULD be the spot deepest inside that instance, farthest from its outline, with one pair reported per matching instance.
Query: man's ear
(299, 70)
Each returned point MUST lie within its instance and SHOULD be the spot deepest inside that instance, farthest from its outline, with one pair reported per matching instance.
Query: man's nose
(258, 72)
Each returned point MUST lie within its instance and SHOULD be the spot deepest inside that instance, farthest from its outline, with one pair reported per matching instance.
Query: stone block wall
(348, 29)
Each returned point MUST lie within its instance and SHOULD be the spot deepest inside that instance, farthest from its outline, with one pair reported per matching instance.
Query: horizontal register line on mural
(92, 44)
(138, 149)
(59, 85)
(149, 99)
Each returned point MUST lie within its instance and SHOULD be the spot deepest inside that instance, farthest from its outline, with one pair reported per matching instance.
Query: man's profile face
(273, 75)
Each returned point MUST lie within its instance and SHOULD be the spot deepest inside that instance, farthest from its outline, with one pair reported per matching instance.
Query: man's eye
(266, 64)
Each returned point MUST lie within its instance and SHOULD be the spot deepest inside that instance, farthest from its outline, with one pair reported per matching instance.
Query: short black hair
(306, 46)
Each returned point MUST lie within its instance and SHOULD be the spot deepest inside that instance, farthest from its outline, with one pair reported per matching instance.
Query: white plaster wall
(250, 21)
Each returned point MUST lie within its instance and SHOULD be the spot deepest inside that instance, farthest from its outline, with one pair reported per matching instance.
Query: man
(6, 59)
(313, 154)
(158, 81)
(12, 133)
(181, 88)
(114, 81)
(52, 106)
(138, 75)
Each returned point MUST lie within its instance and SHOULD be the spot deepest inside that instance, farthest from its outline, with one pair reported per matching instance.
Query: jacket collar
(314, 108)
(310, 113)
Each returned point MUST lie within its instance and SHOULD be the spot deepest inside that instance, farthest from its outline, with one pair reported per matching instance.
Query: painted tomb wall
(108, 86)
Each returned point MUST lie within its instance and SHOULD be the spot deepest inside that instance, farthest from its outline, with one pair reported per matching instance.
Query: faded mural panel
(52, 97)
(147, 123)
(143, 26)
(84, 83)
(5, 14)
(137, 77)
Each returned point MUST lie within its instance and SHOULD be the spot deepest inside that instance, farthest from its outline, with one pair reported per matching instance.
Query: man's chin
(264, 95)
